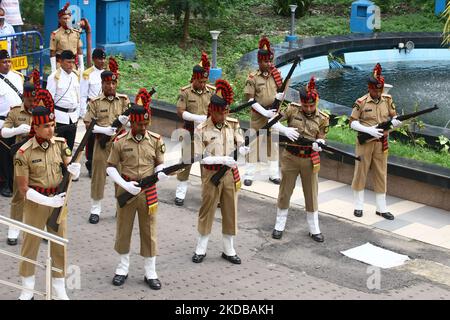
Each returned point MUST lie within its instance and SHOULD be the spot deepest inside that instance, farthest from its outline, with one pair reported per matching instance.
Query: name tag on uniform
(36, 160)
(22, 119)
(104, 110)
(368, 110)
(297, 118)
(192, 100)
(128, 150)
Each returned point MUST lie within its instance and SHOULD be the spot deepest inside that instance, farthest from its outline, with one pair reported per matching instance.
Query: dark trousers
(67, 131)
(6, 163)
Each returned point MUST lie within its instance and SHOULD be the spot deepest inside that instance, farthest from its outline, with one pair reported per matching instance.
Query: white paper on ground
(376, 256)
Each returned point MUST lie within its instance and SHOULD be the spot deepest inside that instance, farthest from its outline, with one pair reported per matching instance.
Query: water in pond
(422, 82)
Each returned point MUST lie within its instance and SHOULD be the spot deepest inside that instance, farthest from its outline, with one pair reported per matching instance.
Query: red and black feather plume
(143, 98)
(35, 79)
(264, 44)
(46, 98)
(224, 90)
(113, 66)
(205, 62)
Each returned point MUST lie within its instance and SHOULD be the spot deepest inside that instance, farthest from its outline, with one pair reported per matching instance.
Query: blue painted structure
(113, 28)
(360, 17)
(439, 7)
(214, 74)
(80, 9)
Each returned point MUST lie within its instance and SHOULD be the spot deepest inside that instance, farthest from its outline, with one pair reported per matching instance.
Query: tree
(447, 25)
(187, 8)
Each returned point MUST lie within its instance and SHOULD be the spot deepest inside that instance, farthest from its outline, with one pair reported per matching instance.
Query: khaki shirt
(369, 113)
(137, 160)
(210, 141)
(315, 127)
(42, 167)
(191, 101)
(69, 39)
(105, 111)
(17, 116)
(264, 90)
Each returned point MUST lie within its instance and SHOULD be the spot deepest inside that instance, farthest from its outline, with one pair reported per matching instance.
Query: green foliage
(32, 12)
(281, 7)
(444, 142)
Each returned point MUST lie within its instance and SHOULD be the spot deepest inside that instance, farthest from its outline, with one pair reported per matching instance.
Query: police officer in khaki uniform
(90, 88)
(261, 86)
(369, 111)
(18, 125)
(65, 38)
(192, 107)
(312, 124)
(215, 139)
(137, 154)
(38, 173)
(104, 109)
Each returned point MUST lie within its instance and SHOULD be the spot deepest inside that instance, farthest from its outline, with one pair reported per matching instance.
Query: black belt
(2, 117)
(65, 109)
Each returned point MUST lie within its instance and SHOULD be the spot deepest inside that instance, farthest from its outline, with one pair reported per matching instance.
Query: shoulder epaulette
(185, 87)
(251, 75)
(362, 99)
(385, 95)
(58, 74)
(60, 139)
(25, 146)
(230, 119)
(211, 87)
(120, 136)
(87, 72)
(19, 73)
(76, 73)
(15, 107)
(295, 104)
(202, 125)
(122, 95)
(324, 114)
(95, 99)
(154, 135)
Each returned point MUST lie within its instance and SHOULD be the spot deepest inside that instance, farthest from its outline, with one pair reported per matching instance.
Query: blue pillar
(214, 72)
(439, 7)
(360, 17)
(113, 28)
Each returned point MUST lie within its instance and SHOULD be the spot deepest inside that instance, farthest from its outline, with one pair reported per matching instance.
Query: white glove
(11, 132)
(396, 123)
(109, 131)
(161, 175)
(74, 169)
(280, 96)
(229, 162)
(123, 119)
(243, 150)
(129, 186)
(194, 117)
(373, 131)
(53, 63)
(260, 109)
(315, 146)
(289, 132)
(54, 202)
(81, 63)
(225, 160)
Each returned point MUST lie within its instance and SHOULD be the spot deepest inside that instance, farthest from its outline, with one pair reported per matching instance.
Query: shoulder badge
(162, 148)
(154, 135)
(87, 72)
(68, 152)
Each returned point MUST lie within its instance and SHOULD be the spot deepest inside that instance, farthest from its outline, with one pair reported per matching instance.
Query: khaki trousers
(99, 164)
(36, 215)
(17, 203)
(291, 167)
(211, 195)
(147, 226)
(373, 159)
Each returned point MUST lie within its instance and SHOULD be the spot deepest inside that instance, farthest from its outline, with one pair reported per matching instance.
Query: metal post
(214, 73)
(292, 37)
(48, 274)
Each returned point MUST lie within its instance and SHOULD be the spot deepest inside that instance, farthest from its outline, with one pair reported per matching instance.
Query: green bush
(281, 7)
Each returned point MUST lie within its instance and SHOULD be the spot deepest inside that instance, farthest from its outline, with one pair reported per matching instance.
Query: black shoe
(233, 259)
(248, 182)
(386, 215)
(119, 280)
(75, 180)
(6, 192)
(90, 173)
(179, 202)
(198, 258)
(154, 284)
(274, 181)
(11, 241)
(317, 237)
(358, 213)
(94, 218)
(277, 234)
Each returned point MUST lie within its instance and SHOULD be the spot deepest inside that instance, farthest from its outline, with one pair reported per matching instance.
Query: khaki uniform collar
(130, 136)
(196, 92)
(211, 124)
(369, 99)
(103, 97)
(36, 144)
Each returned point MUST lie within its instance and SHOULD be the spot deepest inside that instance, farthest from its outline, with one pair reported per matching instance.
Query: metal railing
(51, 238)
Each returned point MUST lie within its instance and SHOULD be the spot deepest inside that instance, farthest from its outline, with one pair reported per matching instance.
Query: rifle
(276, 103)
(151, 180)
(104, 139)
(215, 179)
(302, 141)
(364, 137)
(55, 219)
(16, 146)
